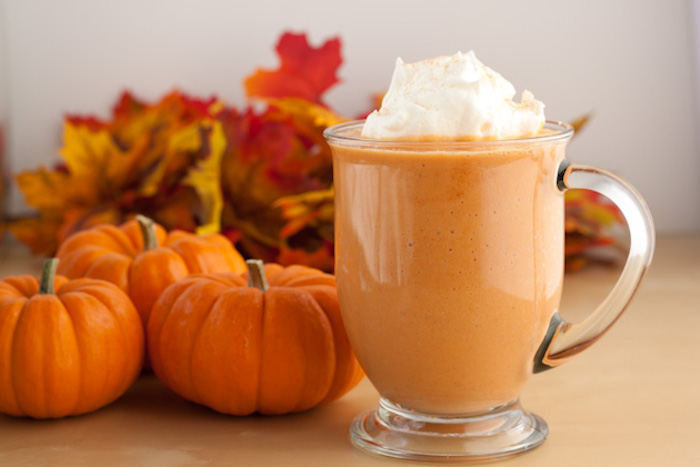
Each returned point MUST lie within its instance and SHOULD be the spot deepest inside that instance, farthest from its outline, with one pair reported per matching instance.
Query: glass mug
(449, 265)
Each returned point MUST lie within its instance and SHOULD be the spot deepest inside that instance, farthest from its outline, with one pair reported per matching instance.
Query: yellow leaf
(93, 158)
(580, 122)
(174, 153)
(304, 111)
(44, 189)
(312, 208)
(205, 178)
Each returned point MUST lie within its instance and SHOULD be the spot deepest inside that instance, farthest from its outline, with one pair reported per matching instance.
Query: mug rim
(334, 134)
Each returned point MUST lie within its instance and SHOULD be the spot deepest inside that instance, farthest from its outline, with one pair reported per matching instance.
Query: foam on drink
(452, 97)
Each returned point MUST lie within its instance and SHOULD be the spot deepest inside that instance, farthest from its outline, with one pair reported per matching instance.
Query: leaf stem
(48, 275)
(256, 275)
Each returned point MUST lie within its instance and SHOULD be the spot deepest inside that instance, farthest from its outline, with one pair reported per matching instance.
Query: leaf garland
(261, 175)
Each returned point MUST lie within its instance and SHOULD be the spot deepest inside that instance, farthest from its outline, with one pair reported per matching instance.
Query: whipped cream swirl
(452, 97)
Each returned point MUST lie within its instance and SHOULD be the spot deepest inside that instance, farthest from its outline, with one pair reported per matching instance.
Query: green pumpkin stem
(148, 230)
(256, 275)
(48, 275)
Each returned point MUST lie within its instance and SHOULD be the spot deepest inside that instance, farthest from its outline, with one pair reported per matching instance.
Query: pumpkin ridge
(282, 294)
(194, 262)
(78, 352)
(75, 263)
(272, 271)
(6, 300)
(195, 342)
(8, 290)
(192, 267)
(311, 299)
(13, 378)
(228, 279)
(261, 338)
(348, 372)
(120, 238)
(287, 276)
(310, 280)
(47, 337)
(43, 378)
(21, 285)
(176, 305)
(116, 323)
(85, 283)
(10, 360)
(97, 236)
(9, 299)
(109, 261)
(158, 268)
(163, 316)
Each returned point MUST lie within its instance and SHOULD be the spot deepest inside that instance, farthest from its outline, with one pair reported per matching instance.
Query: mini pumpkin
(66, 352)
(142, 259)
(270, 341)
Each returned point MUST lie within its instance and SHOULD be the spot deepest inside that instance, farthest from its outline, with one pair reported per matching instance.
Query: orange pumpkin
(142, 259)
(238, 345)
(68, 352)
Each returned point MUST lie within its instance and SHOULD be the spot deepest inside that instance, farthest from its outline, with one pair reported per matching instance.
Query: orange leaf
(96, 160)
(304, 71)
(45, 189)
(40, 235)
(158, 159)
(321, 259)
(303, 111)
(311, 209)
(580, 122)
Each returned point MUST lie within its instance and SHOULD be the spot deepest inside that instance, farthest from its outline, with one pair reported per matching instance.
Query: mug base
(392, 431)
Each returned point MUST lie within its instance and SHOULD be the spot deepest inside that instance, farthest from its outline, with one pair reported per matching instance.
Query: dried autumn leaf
(589, 222)
(304, 71)
(311, 209)
(309, 121)
(79, 218)
(93, 157)
(39, 234)
(250, 178)
(307, 237)
(321, 258)
(272, 154)
(149, 158)
(45, 189)
(306, 113)
(580, 122)
(205, 178)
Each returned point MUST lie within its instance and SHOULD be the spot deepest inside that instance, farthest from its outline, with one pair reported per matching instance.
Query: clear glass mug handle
(565, 340)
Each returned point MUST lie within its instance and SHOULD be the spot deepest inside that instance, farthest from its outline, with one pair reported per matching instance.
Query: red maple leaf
(304, 71)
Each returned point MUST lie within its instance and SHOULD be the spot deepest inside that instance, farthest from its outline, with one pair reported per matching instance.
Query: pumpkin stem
(48, 275)
(148, 230)
(256, 275)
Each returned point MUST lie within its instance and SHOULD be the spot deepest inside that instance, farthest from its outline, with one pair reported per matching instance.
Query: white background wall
(628, 61)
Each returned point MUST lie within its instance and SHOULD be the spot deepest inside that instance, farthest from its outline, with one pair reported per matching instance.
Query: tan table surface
(631, 400)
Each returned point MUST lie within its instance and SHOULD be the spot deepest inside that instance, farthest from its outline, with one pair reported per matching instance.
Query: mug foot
(392, 431)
